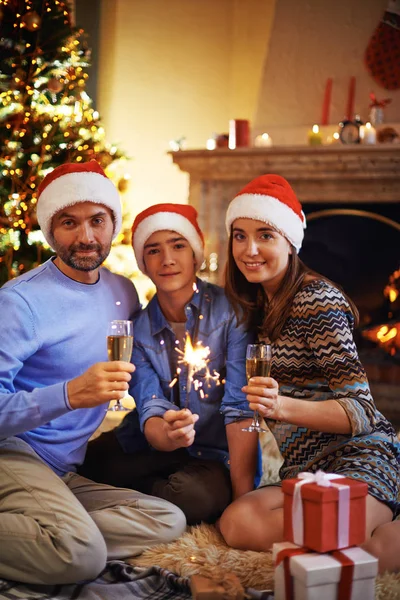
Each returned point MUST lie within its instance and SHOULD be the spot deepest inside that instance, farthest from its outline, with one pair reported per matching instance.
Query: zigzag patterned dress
(316, 359)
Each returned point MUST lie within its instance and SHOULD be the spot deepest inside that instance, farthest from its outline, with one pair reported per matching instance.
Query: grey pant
(55, 530)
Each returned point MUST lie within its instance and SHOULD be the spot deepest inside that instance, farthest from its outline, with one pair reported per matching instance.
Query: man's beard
(83, 263)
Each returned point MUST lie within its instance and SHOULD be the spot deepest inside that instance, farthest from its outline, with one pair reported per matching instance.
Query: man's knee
(77, 557)
(173, 523)
(56, 556)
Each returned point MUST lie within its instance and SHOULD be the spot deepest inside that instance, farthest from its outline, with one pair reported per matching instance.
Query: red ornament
(55, 85)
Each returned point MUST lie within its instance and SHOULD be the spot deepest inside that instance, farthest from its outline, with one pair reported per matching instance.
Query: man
(189, 433)
(56, 526)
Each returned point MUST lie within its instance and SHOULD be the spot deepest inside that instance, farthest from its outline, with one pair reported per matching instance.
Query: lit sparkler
(196, 359)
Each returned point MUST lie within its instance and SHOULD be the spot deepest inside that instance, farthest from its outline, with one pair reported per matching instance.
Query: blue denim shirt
(154, 340)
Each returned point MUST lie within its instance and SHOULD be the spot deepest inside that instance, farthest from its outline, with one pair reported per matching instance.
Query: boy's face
(169, 261)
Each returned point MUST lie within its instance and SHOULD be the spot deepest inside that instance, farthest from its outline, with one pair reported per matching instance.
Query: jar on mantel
(376, 115)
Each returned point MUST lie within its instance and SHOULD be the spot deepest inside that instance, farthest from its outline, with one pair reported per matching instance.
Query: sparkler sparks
(196, 359)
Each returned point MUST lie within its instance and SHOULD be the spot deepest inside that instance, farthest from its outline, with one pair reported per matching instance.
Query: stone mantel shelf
(325, 174)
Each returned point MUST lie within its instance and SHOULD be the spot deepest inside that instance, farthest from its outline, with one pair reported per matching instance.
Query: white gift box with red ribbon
(341, 575)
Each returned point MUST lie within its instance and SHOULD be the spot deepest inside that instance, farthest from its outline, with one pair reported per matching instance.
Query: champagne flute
(119, 347)
(258, 364)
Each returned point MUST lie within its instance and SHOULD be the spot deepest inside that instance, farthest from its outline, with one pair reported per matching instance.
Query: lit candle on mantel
(367, 134)
(314, 136)
(333, 139)
(263, 141)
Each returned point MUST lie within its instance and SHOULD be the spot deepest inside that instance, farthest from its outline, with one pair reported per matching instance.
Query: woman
(317, 401)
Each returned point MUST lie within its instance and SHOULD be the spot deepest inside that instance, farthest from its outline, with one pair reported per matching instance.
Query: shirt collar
(157, 320)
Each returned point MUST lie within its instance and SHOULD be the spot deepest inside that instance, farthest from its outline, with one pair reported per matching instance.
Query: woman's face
(260, 253)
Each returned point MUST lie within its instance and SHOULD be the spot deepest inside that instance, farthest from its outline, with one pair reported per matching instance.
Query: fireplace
(351, 197)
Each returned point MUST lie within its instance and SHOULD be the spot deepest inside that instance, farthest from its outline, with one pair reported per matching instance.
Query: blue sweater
(52, 329)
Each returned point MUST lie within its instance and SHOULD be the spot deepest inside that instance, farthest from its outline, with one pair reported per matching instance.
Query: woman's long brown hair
(251, 304)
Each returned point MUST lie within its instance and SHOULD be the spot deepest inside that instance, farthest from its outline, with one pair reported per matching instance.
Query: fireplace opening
(360, 250)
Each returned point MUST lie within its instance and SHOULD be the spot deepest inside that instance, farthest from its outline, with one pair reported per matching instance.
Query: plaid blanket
(118, 581)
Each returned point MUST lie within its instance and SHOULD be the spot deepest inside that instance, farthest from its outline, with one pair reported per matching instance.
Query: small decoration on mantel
(239, 133)
(217, 140)
(211, 143)
(388, 135)
(263, 141)
(350, 130)
(222, 140)
(314, 136)
(333, 139)
(179, 144)
(367, 134)
(376, 109)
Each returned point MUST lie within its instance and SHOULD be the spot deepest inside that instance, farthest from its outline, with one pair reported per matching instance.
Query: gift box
(345, 575)
(282, 554)
(324, 511)
(204, 588)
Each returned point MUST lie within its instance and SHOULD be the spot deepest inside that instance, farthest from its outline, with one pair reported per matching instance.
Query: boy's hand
(179, 427)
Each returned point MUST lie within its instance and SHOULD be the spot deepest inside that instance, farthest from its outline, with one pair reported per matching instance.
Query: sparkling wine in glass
(119, 347)
(258, 364)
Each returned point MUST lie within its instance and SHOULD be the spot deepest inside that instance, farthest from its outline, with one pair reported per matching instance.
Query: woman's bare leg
(255, 520)
(383, 535)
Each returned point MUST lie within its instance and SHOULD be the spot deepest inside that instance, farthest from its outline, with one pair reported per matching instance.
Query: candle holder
(314, 136)
(263, 141)
(367, 134)
(239, 133)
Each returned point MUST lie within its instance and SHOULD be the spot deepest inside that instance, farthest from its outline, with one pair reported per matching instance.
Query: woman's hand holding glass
(263, 396)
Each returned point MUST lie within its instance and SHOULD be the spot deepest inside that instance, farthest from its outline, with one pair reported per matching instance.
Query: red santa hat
(269, 198)
(70, 184)
(181, 218)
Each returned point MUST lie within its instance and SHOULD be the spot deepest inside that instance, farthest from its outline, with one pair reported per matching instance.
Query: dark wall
(87, 14)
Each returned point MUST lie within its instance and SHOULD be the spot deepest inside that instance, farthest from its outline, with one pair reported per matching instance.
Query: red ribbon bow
(379, 103)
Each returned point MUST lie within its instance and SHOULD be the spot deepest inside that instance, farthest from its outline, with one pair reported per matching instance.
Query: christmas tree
(46, 119)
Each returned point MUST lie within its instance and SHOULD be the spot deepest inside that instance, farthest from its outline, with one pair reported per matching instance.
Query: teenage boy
(196, 454)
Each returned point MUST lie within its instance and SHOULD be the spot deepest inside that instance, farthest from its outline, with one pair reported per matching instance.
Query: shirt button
(184, 388)
(199, 453)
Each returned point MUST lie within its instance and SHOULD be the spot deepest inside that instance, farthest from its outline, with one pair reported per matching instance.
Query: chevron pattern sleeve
(325, 323)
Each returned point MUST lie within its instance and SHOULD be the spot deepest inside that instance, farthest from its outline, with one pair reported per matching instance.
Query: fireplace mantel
(335, 174)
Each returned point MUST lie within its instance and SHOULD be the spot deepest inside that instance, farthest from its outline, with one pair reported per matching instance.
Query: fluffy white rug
(201, 550)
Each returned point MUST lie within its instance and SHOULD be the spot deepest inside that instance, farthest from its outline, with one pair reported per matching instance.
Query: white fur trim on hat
(166, 221)
(269, 210)
(72, 188)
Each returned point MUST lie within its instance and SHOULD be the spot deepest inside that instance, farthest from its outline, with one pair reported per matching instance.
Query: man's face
(169, 261)
(82, 235)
